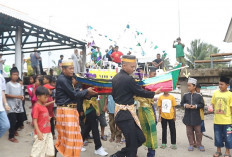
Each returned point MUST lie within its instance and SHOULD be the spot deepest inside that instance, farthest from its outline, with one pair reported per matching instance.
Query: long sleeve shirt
(65, 93)
(124, 89)
(192, 116)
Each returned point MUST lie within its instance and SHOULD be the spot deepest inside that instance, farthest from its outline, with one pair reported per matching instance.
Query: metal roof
(228, 37)
(34, 34)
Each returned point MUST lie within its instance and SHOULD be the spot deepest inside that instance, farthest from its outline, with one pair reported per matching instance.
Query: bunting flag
(128, 26)
(143, 53)
(90, 27)
(155, 47)
(167, 81)
(138, 44)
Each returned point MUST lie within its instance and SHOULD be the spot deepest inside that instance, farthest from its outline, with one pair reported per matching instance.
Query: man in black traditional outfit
(124, 89)
(69, 141)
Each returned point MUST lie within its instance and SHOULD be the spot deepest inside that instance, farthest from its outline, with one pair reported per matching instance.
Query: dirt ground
(23, 148)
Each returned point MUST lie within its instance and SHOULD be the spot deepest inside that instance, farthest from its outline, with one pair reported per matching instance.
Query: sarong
(131, 109)
(69, 141)
(147, 121)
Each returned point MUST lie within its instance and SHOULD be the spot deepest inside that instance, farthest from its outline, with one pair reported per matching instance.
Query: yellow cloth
(144, 102)
(29, 68)
(131, 109)
(93, 102)
(166, 104)
(202, 114)
(222, 102)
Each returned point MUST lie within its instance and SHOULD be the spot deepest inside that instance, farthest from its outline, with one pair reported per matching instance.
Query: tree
(200, 51)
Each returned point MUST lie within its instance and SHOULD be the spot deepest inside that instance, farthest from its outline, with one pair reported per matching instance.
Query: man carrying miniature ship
(124, 89)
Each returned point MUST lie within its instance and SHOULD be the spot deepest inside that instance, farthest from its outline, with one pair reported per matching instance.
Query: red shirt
(40, 113)
(116, 56)
(50, 107)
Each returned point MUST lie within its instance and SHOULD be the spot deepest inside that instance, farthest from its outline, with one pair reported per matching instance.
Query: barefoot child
(43, 145)
(222, 104)
(167, 115)
(192, 103)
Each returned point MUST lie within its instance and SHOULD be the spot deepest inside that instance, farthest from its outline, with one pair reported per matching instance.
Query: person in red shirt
(116, 55)
(50, 105)
(43, 145)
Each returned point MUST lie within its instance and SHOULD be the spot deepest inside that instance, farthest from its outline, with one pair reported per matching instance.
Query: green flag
(138, 44)
(155, 47)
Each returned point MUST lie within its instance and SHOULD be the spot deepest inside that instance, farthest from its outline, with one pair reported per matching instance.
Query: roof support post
(18, 50)
(83, 59)
(211, 61)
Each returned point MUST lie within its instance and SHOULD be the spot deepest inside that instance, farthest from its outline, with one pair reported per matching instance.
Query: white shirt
(2, 88)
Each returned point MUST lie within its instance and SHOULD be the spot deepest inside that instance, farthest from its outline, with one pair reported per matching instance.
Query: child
(47, 79)
(43, 145)
(114, 131)
(148, 121)
(222, 104)
(167, 115)
(192, 103)
(49, 105)
(30, 87)
(23, 103)
(102, 119)
(198, 90)
(14, 95)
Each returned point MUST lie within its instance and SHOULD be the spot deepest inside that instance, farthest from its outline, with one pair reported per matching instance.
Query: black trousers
(172, 128)
(16, 121)
(52, 122)
(134, 138)
(91, 123)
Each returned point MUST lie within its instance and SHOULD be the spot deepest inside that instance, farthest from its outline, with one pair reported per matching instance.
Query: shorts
(202, 126)
(181, 60)
(43, 147)
(223, 136)
(102, 120)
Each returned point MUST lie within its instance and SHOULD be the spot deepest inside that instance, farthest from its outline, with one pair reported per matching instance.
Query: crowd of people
(62, 110)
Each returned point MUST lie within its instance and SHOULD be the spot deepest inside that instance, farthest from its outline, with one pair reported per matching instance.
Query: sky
(207, 20)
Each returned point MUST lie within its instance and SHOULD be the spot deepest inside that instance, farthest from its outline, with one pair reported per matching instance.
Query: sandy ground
(23, 148)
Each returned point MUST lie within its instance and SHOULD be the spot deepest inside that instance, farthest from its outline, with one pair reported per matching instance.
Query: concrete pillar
(183, 87)
(211, 62)
(83, 59)
(18, 50)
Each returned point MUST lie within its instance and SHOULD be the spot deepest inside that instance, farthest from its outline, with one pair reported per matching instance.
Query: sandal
(173, 146)
(227, 155)
(13, 140)
(190, 148)
(163, 146)
(104, 138)
(217, 154)
(85, 143)
(202, 148)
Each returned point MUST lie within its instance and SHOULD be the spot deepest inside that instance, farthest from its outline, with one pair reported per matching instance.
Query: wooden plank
(215, 61)
(221, 54)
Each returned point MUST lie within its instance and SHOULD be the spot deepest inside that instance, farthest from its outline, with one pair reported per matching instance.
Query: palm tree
(200, 51)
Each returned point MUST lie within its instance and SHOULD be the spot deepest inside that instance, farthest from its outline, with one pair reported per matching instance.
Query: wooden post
(18, 50)
(83, 59)
(183, 87)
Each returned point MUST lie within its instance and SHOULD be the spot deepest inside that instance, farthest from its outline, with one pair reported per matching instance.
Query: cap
(48, 86)
(128, 58)
(192, 80)
(67, 62)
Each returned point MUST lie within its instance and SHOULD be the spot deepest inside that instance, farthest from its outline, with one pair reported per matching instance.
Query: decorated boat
(101, 80)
